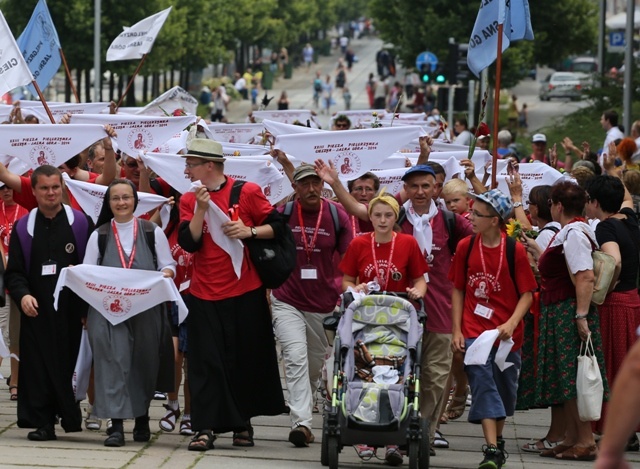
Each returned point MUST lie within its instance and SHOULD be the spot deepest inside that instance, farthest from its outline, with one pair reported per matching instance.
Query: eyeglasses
(133, 164)
(193, 165)
(363, 189)
(475, 213)
(124, 198)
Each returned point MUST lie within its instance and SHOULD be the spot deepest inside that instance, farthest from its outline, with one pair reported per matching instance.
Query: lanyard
(308, 248)
(353, 226)
(484, 267)
(7, 225)
(119, 245)
(375, 261)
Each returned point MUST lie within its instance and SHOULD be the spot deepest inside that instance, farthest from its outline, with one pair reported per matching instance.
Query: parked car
(561, 85)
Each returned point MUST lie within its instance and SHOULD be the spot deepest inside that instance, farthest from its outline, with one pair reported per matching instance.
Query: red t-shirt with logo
(9, 214)
(493, 282)
(213, 275)
(407, 263)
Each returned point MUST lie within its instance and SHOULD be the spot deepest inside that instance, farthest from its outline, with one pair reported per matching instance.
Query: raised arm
(329, 175)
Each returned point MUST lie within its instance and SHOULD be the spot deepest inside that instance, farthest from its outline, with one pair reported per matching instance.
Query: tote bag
(589, 383)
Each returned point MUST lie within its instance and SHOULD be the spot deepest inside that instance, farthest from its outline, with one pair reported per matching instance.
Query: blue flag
(483, 44)
(40, 46)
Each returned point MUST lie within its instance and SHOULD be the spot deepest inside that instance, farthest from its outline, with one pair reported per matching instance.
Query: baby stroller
(375, 388)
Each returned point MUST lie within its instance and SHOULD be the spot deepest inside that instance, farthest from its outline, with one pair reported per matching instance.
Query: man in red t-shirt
(231, 344)
(308, 296)
(486, 297)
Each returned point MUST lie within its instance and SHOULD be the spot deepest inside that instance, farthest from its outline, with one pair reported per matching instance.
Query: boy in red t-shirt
(488, 295)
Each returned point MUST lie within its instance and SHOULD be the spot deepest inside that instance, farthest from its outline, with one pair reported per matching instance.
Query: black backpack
(274, 259)
(449, 222)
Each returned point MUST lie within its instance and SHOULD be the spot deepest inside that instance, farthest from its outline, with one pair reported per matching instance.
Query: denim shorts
(493, 391)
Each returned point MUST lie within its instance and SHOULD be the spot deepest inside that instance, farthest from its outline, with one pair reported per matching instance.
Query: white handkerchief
(384, 374)
(215, 218)
(479, 351)
(501, 355)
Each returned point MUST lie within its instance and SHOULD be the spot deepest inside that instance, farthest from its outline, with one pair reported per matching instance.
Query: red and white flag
(137, 40)
(14, 71)
(36, 145)
(138, 133)
(119, 294)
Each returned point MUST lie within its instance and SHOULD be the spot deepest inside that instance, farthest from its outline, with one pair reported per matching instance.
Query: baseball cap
(421, 168)
(303, 171)
(539, 138)
(499, 201)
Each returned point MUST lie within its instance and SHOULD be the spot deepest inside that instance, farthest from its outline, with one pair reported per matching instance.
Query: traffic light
(424, 73)
(457, 69)
(440, 75)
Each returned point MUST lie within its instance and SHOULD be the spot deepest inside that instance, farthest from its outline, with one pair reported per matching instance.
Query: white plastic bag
(589, 384)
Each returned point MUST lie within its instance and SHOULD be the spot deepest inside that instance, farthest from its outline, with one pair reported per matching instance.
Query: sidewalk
(272, 450)
(300, 87)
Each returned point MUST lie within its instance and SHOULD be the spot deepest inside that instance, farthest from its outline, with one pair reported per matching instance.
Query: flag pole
(43, 101)
(496, 111)
(68, 73)
(131, 80)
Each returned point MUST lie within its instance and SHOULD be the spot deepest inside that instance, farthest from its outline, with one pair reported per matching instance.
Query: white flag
(14, 71)
(36, 145)
(243, 149)
(287, 117)
(90, 197)
(237, 133)
(119, 294)
(353, 153)
(138, 133)
(531, 174)
(175, 102)
(137, 40)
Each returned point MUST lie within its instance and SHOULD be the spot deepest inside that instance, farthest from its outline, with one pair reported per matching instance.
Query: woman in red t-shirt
(385, 260)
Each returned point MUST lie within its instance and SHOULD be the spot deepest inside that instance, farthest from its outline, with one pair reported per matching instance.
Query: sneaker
(91, 422)
(393, 456)
(159, 396)
(365, 452)
(301, 436)
(439, 441)
(493, 458)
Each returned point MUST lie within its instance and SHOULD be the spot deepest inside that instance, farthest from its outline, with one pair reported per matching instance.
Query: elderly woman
(566, 317)
(384, 261)
(618, 235)
(134, 358)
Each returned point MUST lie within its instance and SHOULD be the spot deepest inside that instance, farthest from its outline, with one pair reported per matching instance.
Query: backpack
(149, 229)
(317, 85)
(80, 228)
(555, 229)
(276, 258)
(449, 222)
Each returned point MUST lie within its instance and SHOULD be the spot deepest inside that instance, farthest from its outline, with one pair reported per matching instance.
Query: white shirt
(613, 134)
(240, 84)
(464, 138)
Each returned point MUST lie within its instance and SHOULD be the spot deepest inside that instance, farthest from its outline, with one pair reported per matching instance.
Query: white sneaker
(91, 422)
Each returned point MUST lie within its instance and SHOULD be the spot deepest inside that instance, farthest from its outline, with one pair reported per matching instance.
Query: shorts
(494, 392)
(179, 331)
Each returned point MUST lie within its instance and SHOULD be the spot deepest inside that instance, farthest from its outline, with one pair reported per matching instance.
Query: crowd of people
(442, 239)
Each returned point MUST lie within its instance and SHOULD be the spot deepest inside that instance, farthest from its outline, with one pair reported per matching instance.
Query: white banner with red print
(119, 294)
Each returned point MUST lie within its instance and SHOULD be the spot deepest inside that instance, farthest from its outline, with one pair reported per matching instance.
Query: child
(492, 284)
(455, 197)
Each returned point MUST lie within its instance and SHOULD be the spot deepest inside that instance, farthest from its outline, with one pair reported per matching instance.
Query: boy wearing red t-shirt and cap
(488, 294)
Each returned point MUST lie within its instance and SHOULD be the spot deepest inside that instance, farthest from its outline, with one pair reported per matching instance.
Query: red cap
(483, 131)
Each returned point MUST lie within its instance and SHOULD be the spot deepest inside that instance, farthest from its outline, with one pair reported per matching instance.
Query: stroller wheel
(332, 452)
(419, 449)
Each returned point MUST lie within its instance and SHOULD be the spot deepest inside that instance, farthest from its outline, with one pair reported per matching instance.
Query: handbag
(604, 267)
(589, 383)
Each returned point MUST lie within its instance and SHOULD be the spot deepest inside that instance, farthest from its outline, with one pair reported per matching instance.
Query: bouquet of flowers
(515, 230)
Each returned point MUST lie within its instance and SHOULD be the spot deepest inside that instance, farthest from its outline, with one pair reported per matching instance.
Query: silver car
(561, 85)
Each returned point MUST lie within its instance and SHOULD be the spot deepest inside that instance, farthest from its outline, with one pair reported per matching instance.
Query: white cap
(539, 138)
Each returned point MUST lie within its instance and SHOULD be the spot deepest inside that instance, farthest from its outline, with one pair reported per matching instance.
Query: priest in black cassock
(51, 237)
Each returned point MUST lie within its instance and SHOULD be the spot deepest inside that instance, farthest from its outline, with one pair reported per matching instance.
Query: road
(543, 113)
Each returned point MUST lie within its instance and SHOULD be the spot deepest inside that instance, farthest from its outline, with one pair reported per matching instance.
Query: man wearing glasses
(341, 122)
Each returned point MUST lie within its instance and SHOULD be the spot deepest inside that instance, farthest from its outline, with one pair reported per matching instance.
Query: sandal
(168, 422)
(203, 441)
(244, 439)
(14, 393)
(456, 406)
(579, 453)
(185, 427)
(539, 446)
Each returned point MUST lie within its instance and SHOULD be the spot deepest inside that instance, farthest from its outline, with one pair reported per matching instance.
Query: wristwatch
(517, 204)
(254, 232)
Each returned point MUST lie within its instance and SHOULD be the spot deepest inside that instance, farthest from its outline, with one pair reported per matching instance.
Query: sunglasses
(133, 164)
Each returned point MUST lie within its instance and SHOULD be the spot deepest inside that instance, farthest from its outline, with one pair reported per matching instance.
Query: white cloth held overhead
(137, 40)
(119, 294)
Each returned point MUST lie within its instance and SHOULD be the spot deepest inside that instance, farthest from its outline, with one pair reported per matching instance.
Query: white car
(561, 85)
